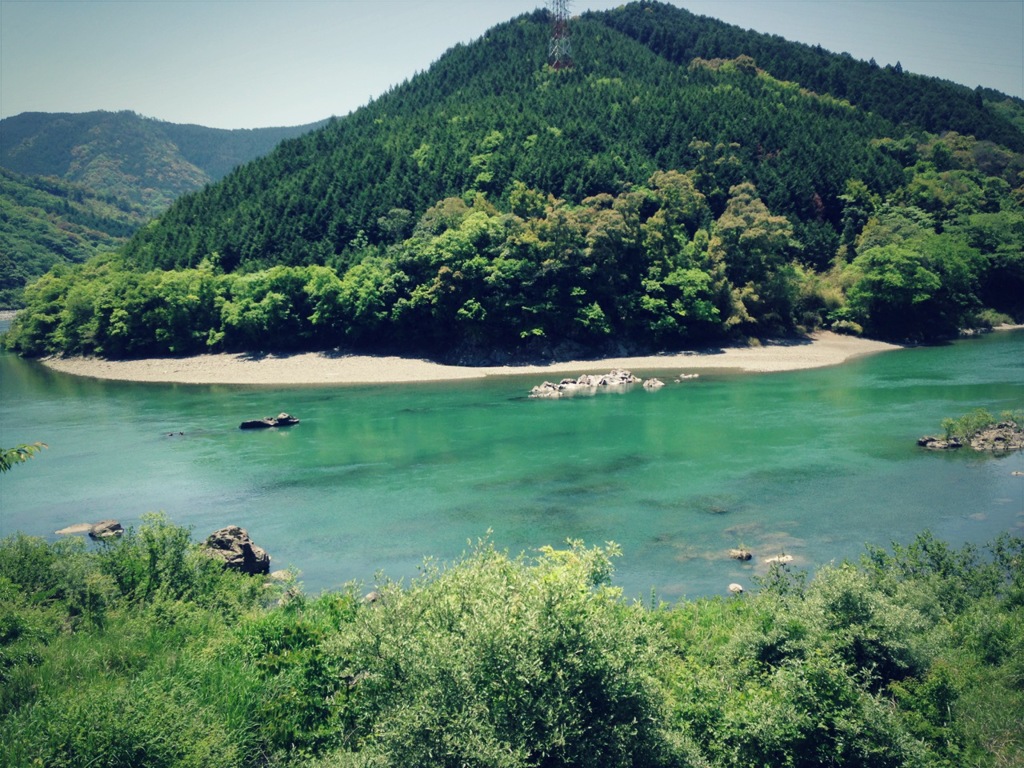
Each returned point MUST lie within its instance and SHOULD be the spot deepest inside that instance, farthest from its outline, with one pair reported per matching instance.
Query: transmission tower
(560, 51)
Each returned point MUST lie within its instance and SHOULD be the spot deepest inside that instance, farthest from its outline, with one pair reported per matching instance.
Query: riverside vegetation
(143, 651)
(684, 182)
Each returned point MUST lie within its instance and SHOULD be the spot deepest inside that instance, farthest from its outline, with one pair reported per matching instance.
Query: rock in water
(1004, 437)
(933, 443)
(237, 551)
(281, 420)
(106, 529)
(588, 383)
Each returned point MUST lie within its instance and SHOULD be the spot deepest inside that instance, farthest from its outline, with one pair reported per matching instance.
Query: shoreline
(819, 350)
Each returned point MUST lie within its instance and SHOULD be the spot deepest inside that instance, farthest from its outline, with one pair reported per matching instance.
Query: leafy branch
(19, 454)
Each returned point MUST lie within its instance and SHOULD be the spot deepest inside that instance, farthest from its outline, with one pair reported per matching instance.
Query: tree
(754, 246)
(922, 288)
(496, 661)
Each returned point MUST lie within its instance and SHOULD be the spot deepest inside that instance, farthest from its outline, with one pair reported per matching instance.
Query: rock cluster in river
(585, 384)
(998, 438)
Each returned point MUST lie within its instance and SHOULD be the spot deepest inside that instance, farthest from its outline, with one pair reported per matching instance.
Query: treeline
(142, 651)
(75, 185)
(494, 206)
(653, 267)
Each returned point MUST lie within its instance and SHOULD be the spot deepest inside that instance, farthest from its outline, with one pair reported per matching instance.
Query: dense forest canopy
(671, 187)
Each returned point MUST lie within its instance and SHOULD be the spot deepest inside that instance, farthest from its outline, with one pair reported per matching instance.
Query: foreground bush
(497, 662)
(142, 653)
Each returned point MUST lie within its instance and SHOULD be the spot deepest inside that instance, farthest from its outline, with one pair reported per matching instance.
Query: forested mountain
(145, 161)
(684, 180)
(45, 221)
(901, 97)
(75, 185)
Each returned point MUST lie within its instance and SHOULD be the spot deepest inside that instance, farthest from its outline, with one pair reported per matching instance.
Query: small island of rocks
(617, 380)
(587, 384)
(978, 431)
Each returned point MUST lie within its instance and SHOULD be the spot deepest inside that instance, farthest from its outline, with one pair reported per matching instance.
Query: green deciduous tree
(923, 288)
(755, 249)
(496, 661)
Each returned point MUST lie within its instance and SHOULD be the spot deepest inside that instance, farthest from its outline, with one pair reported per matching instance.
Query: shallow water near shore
(812, 464)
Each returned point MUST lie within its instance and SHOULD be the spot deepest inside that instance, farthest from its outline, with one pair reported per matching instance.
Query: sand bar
(817, 351)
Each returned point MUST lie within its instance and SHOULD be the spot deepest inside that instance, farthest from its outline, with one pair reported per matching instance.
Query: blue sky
(247, 63)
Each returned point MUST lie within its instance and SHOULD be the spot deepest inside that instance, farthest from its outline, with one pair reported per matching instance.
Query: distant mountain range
(684, 180)
(77, 184)
(145, 161)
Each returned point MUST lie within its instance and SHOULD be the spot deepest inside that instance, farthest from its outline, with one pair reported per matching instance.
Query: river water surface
(813, 464)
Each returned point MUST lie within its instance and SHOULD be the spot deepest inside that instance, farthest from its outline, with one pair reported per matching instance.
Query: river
(812, 464)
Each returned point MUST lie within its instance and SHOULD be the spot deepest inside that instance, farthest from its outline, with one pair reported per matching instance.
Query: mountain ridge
(145, 160)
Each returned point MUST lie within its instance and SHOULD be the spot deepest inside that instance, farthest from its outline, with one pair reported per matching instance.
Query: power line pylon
(560, 51)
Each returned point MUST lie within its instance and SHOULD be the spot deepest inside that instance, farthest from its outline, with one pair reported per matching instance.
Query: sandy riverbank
(820, 350)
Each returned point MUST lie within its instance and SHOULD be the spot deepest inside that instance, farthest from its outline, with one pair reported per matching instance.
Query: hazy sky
(253, 63)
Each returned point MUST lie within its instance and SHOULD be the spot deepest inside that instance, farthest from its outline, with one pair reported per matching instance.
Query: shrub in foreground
(140, 653)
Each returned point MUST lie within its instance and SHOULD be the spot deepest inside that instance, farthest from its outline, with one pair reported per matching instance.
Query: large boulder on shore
(233, 547)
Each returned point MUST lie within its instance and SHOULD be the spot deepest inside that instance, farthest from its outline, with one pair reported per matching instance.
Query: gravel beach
(817, 351)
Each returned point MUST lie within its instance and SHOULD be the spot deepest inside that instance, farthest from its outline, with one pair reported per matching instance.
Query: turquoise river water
(814, 464)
